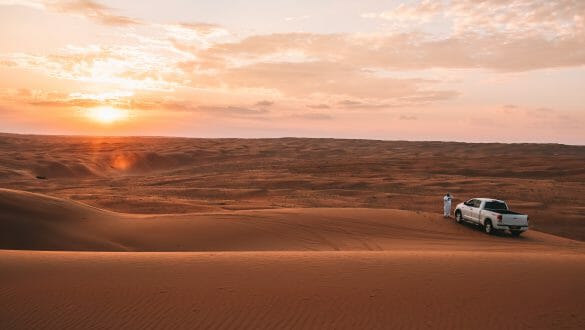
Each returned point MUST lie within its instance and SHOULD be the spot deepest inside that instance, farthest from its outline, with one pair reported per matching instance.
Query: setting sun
(106, 115)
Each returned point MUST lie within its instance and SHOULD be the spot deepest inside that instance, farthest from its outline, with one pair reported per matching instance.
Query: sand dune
(38, 222)
(287, 268)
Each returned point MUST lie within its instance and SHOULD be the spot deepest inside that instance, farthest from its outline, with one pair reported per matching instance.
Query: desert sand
(178, 175)
(284, 233)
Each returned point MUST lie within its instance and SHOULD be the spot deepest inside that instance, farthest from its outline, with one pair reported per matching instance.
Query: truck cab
(492, 215)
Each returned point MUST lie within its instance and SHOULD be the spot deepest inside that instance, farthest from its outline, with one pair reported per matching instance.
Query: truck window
(476, 203)
(496, 206)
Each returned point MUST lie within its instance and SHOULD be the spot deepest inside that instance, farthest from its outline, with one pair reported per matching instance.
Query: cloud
(529, 114)
(81, 8)
(233, 111)
(201, 28)
(407, 117)
(51, 99)
(185, 34)
(409, 51)
(519, 17)
(517, 35)
(318, 106)
(313, 116)
(91, 10)
(320, 78)
(297, 18)
(349, 103)
(426, 96)
(493, 17)
(264, 103)
(421, 12)
(127, 67)
(544, 110)
(35, 4)
(123, 100)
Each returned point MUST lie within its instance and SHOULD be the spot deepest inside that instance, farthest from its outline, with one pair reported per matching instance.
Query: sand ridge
(37, 222)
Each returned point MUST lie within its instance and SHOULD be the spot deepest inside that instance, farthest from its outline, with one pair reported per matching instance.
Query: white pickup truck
(491, 214)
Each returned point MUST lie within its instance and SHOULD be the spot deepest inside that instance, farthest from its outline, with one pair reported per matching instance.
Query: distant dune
(284, 233)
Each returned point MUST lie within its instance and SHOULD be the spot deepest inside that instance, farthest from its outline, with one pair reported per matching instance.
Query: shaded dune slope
(31, 221)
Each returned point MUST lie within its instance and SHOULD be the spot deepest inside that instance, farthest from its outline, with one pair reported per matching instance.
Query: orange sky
(492, 70)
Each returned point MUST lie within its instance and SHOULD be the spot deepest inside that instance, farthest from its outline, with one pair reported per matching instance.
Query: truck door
(466, 209)
(475, 210)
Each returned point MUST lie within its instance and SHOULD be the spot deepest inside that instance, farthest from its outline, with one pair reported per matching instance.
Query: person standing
(447, 205)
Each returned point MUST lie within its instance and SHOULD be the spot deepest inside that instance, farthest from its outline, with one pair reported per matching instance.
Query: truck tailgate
(514, 219)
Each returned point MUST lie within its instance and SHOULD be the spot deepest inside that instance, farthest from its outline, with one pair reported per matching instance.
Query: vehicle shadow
(497, 233)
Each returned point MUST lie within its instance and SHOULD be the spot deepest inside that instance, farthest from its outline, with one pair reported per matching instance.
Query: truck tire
(515, 233)
(488, 228)
(458, 217)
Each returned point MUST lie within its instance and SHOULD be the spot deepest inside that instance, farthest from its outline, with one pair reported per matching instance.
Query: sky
(458, 70)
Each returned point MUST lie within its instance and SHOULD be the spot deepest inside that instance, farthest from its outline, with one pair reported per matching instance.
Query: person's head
(449, 194)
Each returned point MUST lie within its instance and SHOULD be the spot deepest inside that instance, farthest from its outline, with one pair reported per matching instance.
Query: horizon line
(282, 137)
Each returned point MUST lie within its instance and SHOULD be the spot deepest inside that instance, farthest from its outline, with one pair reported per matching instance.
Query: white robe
(447, 205)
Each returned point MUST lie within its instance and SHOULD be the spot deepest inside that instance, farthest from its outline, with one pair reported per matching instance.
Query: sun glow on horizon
(107, 115)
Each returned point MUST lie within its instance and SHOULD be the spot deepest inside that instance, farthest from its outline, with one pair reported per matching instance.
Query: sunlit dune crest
(107, 115)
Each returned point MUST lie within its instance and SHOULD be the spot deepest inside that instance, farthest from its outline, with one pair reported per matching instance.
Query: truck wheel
(458, 217)
(487, 227)
(515, 233)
